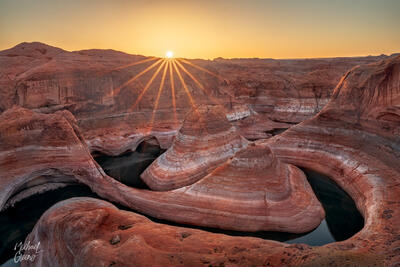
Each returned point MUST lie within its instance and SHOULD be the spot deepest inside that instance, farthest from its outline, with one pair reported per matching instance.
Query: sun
(169, 54)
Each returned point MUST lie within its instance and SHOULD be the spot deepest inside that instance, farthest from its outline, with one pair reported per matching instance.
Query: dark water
(128, 167)
(342, 218)
(17, 222)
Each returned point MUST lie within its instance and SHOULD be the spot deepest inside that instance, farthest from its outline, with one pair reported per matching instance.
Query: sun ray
(147, 86)
(160, 89)
(213, 99)
(116, 90)
(171, 79)
(192, 103)
(200, 68)
(135, 63)
(209, 72)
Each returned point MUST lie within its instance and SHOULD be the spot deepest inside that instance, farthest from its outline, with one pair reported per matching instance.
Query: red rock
(47, 79)
(356, 146)
(272, 187)
(40, 152)
(289, 90)
(82, 232)
(355, 141)
(205, 140)
(257, 126)
(254, 191)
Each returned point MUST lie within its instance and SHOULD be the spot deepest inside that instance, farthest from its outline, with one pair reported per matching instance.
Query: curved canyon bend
(129, 159)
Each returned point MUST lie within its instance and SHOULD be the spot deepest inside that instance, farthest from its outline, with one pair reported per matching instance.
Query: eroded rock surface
(358, 149)
(355, 140)
(258, 126)
(255, 191)
(40, 152)
(91, 232)
(93, 85)
(205, 140)
(277, 197)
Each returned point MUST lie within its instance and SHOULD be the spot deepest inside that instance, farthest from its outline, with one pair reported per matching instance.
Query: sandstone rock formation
(91, 232)
(255, 191)
(47, 79)
(40, 152)
(258, 126)
(357, 147)
(276, 197)
(354, 140)
(289, 90)
(205, 140)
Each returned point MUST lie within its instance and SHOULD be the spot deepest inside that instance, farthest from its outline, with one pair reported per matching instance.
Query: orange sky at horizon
(207, 29)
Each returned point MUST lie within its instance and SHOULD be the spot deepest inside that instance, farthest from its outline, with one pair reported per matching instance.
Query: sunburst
(175, 68)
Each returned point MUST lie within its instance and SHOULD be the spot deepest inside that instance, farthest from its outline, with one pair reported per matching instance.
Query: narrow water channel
(343, 220)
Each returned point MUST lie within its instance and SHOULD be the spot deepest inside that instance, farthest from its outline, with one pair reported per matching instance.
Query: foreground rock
(90, 232)
(205, 141)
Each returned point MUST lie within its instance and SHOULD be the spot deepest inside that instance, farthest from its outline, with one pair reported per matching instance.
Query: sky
(207, 28)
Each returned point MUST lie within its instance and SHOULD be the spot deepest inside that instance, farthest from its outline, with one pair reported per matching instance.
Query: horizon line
(200, 58)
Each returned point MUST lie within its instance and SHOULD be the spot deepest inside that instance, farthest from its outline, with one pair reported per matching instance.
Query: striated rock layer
(88, 84)
(354, 140)
(261, 193)
(91, 232)
(40, 152)
(255, 191)
(205, 140)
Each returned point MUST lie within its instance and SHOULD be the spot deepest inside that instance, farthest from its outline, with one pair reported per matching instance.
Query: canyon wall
(354, 140)
(94, 85)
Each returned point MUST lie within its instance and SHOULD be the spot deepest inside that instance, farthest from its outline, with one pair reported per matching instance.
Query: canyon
(88, 84)
(234, 131)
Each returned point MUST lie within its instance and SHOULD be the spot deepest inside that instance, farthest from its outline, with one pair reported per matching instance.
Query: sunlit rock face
(91, 232)
(358, 149)
(254, 191)
(87, 83)
(286, 90)
(205, 140)
(355, 140)
(40, 152)
(261, 192)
